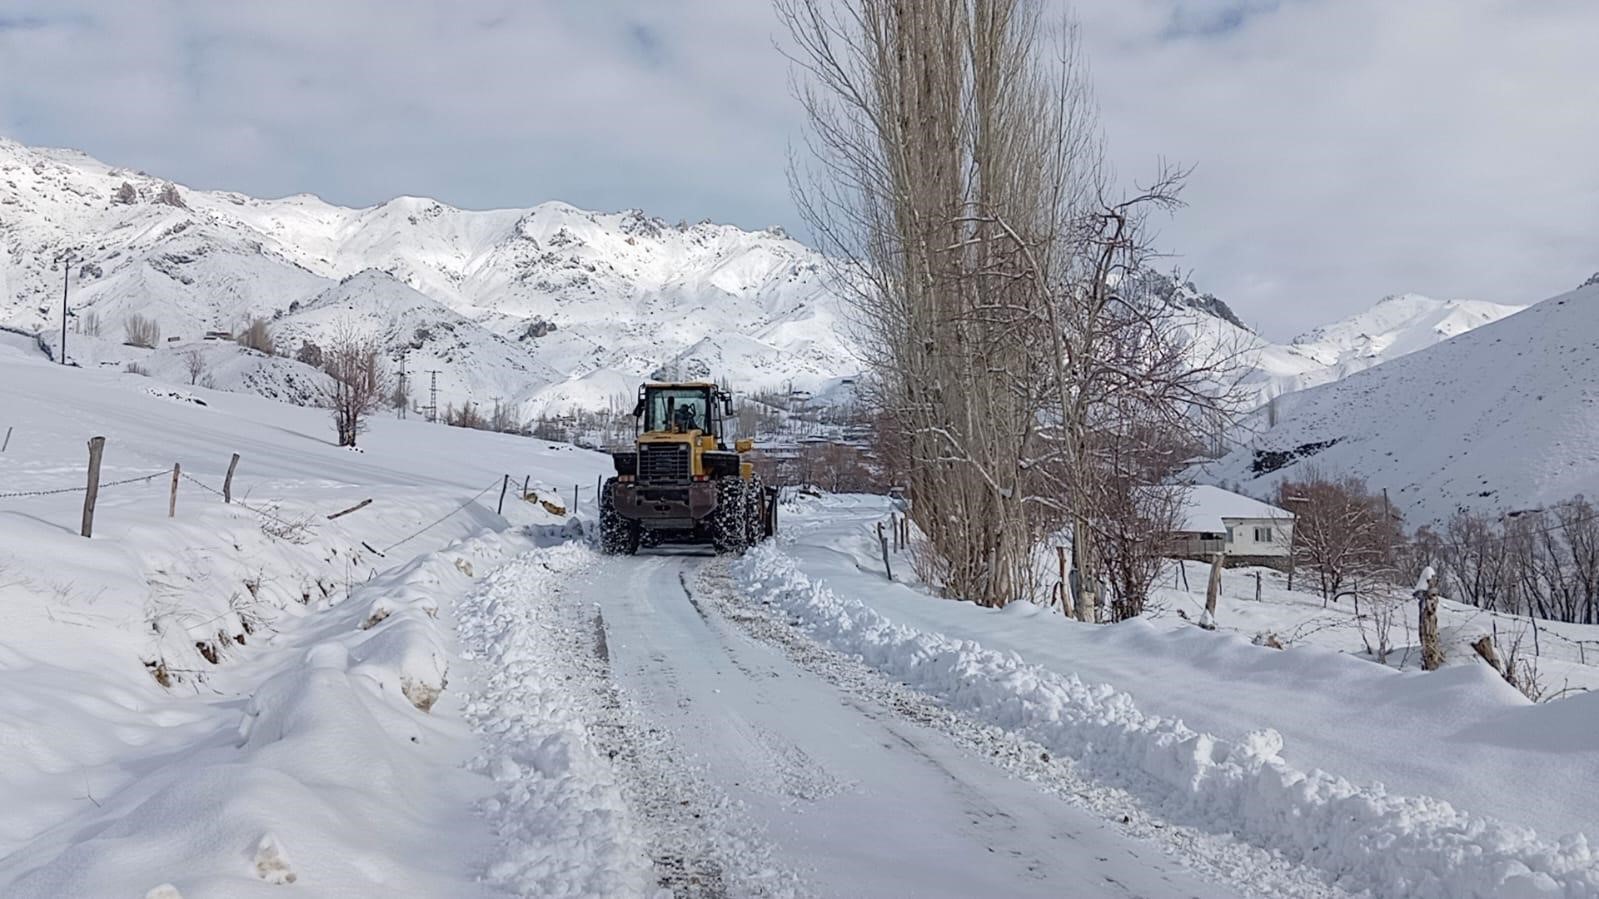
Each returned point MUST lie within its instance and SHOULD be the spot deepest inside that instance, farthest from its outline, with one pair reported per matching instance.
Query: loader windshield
(678, 409)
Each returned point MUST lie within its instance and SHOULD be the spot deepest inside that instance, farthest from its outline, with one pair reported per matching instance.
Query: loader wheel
(754, 508)
(618, 536)
(729, 533)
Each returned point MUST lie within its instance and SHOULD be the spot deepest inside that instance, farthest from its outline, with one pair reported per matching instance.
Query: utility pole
(67, 259)
(405, 396)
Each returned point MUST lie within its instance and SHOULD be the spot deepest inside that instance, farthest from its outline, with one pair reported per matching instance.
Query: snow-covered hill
(515, 302)
(1503, 417)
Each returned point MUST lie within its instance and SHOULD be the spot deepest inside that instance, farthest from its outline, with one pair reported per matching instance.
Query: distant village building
(1249, 531)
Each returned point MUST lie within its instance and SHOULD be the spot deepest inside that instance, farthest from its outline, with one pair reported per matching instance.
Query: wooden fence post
(1432, 657)
(172, 504)
(1257, 593)
(96, 447)
(526, 480)
(227, 482)
(1213, 592)
(504, 486)
(882, 540)
(574, 498)
(355, 508)
(8, 439)
(1065, 582)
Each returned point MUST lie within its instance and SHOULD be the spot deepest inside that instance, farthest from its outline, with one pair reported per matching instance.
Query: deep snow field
(301, 751)
(425, 698)
(1387, 778)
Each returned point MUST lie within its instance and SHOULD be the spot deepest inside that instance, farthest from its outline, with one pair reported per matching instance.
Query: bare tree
(141, 331)
(194, 361)
(957, 184)
(1340, 530)
(257, 335)
(354, 362)
(503, 419)
(89, 324)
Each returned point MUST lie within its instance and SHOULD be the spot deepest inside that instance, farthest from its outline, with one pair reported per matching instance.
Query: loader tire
(729, 530)
(618, 536)
(754, 511)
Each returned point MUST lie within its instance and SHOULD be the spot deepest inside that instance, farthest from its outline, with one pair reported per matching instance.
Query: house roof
(1206, 506)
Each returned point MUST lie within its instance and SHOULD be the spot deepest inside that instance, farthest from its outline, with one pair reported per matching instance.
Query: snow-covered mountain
(548, 309)
(1397, 325)
(1501, 418)
(545, 307)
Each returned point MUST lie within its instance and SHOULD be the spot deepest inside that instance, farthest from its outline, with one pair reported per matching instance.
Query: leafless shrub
(134, 368)
(141, 331)
(1380, 611)
(89, 324)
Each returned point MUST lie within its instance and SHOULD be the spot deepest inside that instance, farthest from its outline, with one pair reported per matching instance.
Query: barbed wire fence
(272, 512)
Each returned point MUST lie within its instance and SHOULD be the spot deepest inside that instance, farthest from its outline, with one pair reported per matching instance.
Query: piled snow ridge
(564, 828)
(1362, 836)
(326, 783)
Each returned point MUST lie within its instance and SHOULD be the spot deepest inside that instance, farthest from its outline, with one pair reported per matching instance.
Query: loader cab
(682, 408)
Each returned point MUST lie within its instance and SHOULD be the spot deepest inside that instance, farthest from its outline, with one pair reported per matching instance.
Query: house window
(1263, 535)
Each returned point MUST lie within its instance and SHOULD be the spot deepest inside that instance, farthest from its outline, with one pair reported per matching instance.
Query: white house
(1246, 529)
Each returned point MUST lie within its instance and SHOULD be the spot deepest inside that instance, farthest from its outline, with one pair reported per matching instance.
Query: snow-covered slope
(1503, 417)
(1397, 325)
(528, 298)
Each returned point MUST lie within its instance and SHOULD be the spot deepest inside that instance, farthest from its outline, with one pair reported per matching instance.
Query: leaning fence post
(504, 486)
(96, 447)
(227, 483)
(526, 479)
(172, 504)
(882, 540)
(8, 439)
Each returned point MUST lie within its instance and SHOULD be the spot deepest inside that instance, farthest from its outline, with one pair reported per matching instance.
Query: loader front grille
(663, 464)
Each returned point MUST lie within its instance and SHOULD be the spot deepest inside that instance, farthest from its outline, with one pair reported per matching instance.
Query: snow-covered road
(760, 763)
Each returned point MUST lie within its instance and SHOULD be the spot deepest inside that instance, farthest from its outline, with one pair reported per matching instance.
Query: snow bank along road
(689, 738)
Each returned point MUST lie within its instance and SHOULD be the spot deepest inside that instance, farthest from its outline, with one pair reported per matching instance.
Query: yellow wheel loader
(680, 483)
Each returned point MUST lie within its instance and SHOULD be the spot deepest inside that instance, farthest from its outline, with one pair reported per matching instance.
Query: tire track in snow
(683, 866)
(1249, 870)
(700, 846)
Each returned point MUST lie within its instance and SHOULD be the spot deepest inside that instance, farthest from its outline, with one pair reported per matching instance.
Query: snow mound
(563, 825)
(1364, 837)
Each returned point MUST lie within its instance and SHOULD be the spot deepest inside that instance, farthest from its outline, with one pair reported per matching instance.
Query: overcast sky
(1342, 149)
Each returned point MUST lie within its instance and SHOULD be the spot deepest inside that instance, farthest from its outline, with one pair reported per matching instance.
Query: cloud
(1343, 149)
(1347, 149)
